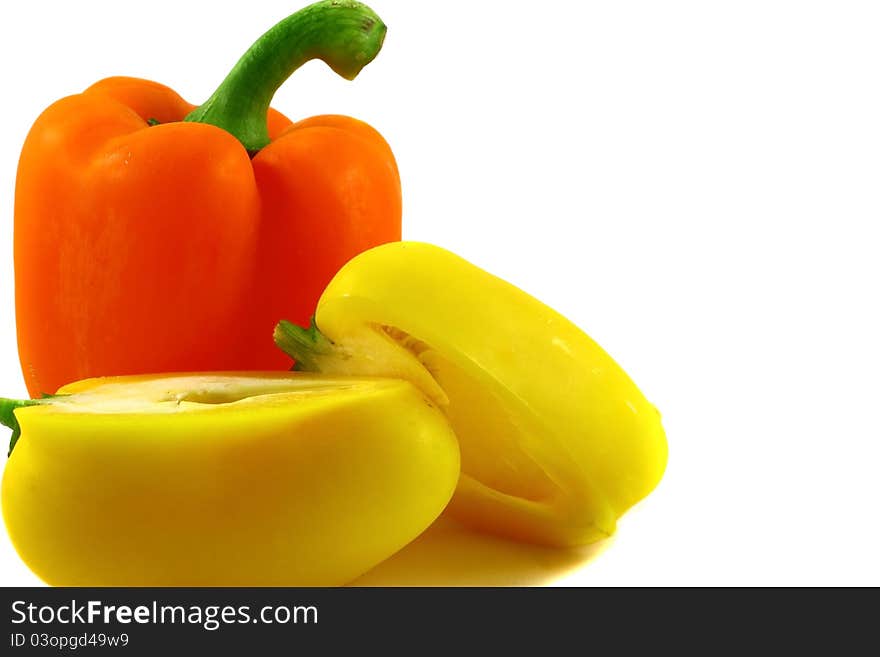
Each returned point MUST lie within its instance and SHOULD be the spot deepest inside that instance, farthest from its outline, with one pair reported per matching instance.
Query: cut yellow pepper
(556, 440)
(224, 479)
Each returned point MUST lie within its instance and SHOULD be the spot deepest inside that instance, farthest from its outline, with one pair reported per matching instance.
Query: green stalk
(346, 35)
(305, 346)
(8, 419)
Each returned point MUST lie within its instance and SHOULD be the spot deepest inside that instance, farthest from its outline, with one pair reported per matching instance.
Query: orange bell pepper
(152, 235)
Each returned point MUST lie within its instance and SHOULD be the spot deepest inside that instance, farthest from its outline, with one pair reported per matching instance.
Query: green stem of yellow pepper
(346, 35)
(302, 344)
(8, 419)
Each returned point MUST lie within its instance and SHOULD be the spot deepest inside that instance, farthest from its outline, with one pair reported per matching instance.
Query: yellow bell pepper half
(224, 479)
(556, 440)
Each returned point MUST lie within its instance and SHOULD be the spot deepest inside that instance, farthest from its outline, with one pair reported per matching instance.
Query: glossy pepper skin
(557, 442)
(225, 479)
(151, 235)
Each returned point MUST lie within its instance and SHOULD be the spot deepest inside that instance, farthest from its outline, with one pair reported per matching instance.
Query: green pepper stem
(8, 419)
(346, 35)
(303, 345)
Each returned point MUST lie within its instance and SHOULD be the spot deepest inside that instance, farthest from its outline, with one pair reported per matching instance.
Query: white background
(696, 184)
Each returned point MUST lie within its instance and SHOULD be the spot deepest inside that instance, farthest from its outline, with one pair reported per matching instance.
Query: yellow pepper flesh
(225, 479)
(556, 440)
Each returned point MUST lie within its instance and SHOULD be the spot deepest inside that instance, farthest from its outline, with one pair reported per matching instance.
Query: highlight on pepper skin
(224, 480)
(542, 461)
